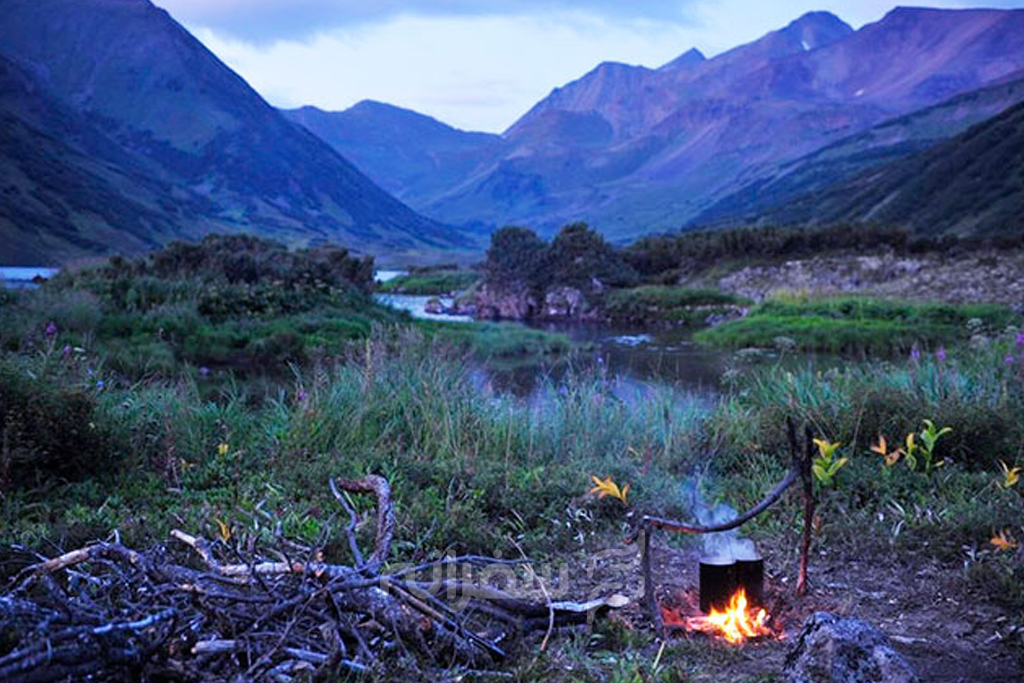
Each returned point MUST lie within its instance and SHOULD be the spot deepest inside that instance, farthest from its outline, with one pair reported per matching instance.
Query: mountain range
(635, 150)
(121, 131)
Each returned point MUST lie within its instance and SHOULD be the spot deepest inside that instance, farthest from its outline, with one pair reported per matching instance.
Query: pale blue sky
(475, 64)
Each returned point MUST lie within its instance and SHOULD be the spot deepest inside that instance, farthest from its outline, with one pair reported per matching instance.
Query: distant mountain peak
(817, 29)
(687, 60)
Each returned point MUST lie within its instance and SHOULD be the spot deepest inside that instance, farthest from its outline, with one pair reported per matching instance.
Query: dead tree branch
(194, 612)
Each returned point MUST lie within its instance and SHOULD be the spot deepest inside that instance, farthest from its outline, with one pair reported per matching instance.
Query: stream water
(630, 357)
(18, 277)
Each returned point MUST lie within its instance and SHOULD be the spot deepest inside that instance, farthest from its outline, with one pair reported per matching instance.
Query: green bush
(576, 257)
(50, 427)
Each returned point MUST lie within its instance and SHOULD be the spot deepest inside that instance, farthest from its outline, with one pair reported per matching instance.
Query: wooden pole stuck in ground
(799, 470)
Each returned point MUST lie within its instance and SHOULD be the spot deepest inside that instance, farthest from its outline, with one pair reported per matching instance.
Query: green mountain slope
(973, 183)
(887, 142)
(410, 155)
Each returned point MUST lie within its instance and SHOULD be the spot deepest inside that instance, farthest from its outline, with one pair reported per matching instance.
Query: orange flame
(736, 623)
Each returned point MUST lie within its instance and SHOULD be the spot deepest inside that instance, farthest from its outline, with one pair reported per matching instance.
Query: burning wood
(736, 623)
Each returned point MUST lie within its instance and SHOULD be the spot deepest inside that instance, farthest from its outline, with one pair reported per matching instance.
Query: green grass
(668, 303)
(431, 282)
(471, 468)
(498, 340)
(121, 432)
(855, 324)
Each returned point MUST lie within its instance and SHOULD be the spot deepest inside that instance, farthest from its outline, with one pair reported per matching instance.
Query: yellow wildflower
(607, 487)
(1003, 541)
(1011, 475)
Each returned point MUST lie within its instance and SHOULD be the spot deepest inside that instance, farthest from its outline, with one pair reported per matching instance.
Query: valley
(709, 370)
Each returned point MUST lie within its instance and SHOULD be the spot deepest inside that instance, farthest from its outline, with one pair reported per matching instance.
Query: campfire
(736, 623)
(729, 604)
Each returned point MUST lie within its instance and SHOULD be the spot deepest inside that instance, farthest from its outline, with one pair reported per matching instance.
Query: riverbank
(983, 276)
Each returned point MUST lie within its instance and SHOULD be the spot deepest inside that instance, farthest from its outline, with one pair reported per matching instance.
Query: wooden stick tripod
(799, 470)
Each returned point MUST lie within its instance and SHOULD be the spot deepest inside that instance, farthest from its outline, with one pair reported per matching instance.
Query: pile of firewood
(212, 611)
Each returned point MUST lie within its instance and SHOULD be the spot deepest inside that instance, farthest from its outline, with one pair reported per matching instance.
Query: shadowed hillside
(972, 184)
(164, 115)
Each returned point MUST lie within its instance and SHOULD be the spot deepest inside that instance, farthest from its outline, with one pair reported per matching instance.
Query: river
(20, 277)
(631, 357)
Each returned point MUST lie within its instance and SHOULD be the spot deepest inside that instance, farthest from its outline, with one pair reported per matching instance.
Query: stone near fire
(834, 649)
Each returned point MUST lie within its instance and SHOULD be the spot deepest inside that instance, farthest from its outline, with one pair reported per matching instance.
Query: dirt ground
(924, 607)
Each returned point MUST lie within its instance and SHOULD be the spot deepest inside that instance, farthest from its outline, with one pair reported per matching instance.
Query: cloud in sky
(477, 65)
(263, 20)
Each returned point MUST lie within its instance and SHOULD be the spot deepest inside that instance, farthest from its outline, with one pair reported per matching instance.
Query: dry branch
(113, 613)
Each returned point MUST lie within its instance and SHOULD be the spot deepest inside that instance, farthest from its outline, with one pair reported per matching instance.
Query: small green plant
(910, 450)
(930, 435)
(826, 465)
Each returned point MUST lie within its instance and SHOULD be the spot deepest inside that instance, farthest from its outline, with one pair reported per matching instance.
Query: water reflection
(630, 359)
(22, 277)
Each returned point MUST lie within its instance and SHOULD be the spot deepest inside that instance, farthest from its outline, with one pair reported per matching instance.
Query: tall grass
(477, 471)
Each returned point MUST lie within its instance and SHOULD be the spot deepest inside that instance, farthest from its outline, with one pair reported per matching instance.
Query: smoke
(724, 547)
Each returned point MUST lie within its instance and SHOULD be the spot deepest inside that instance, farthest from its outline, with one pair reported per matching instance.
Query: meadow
(131, 406)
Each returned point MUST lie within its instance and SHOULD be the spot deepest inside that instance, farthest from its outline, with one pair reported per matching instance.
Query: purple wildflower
(100, 384)
(1020, 339)
(915, 354)
(302, 395)
(51, 329)
(204, 371)
(66, 351)
(940, 355)
(1009, 360)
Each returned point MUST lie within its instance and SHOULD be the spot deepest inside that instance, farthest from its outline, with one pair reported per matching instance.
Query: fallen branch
(113, 613)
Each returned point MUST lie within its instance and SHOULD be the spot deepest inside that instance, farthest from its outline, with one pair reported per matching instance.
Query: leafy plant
(930, 435)
(1011, 475)
(1004, 541)
(910, 451)
(882, 448)
(826, 464)
(608, 488)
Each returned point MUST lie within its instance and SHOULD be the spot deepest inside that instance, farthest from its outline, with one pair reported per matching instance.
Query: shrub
(49, 427)
(575, 258)
(516, 255)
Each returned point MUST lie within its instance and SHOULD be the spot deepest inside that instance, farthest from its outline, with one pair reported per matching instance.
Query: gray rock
(564, 302)
(834, 649)
(510, 302)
